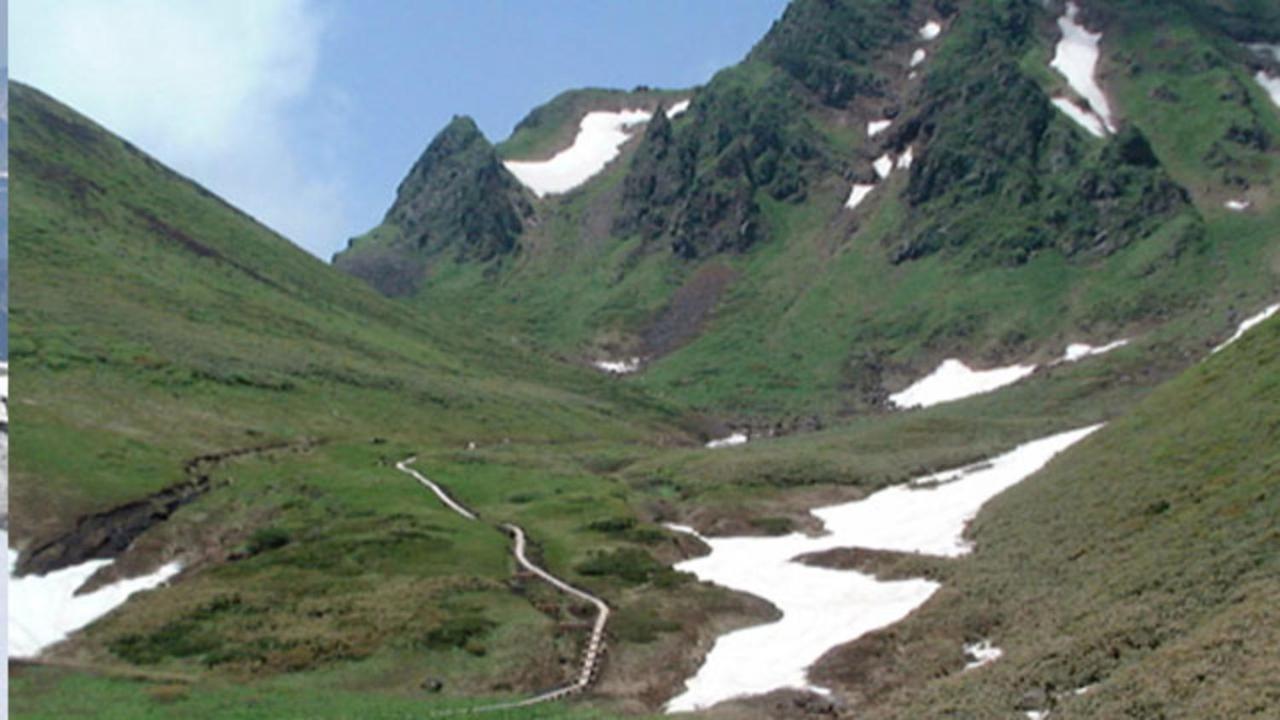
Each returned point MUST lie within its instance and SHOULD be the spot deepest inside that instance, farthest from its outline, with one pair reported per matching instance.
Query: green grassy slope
(207, 331)
(1142, 564)
(153, 323)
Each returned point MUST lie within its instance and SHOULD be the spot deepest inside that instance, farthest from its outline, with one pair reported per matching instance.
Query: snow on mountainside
(1076, 58)
(822, 608)
(600, 135)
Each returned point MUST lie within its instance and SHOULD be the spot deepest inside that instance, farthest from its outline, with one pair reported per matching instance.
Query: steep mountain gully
(595, 645)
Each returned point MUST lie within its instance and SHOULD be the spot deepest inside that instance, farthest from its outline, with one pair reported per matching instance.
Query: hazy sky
(307, 113)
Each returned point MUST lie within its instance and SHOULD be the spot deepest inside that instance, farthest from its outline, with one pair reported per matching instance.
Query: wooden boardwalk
(595, 644)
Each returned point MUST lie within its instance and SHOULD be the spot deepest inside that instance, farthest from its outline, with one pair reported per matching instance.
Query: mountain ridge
(983, 176)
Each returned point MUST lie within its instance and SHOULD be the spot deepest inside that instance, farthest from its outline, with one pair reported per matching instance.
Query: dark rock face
(458, 194)
(457, 199)
(828, 45)
(1006, 184)
(651, 189)
(697, 182)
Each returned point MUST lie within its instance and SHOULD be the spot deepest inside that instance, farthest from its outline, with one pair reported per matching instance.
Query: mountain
(1004, 230)
(719, 307)
(457, 197)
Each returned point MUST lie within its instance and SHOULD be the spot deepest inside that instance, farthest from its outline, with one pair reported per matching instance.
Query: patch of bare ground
(687, 311)
(928, 645)
(757, 514)
(780, 705)
(882, 564)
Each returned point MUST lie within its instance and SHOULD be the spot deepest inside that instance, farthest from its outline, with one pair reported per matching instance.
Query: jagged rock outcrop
(697, 182)
(457, 201)
(1008, 184)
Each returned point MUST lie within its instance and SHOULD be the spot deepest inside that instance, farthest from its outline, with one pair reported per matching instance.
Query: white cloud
(207, 87)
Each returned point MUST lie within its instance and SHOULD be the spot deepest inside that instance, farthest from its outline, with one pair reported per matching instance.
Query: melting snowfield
(618, 367)
(857, 194)
(822, 608)
(1271, 84)
(1076, 58)
(600, 135)
(1082, 117)
(1249, 324)
(883, 166)
(983, 653)
(44, 609)
(729, 441)
(1080, 351)
(678, 109)
(954, 380)
(1267, 81)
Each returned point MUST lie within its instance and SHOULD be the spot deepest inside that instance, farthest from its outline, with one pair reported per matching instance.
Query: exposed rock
(457, 200)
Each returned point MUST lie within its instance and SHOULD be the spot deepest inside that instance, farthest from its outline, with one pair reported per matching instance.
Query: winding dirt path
(595, 645)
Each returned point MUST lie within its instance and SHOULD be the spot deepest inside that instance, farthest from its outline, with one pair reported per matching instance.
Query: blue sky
(307, 113)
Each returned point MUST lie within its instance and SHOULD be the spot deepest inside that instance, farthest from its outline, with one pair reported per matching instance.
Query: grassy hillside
(153, 323)
(135, 283)
(1141, 564)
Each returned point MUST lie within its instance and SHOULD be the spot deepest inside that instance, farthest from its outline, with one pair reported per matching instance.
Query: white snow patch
(857, 195)
(1076, 58)
(1237, 205)
(1082, 689)
(905, 159)
(677, 109)
(883, 165)
(930, 30)
(1271, 84)
(1082, 117)
(875, 127)
(918, 57)
(822, 608)
(1079, 351)
(1265, 49)
(44, 609)
(618, 367)
(1248, 325)
(600, 135)
(734, 439)
(982, 653)
(913, 75)
(1037, 714)
(954, 380)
